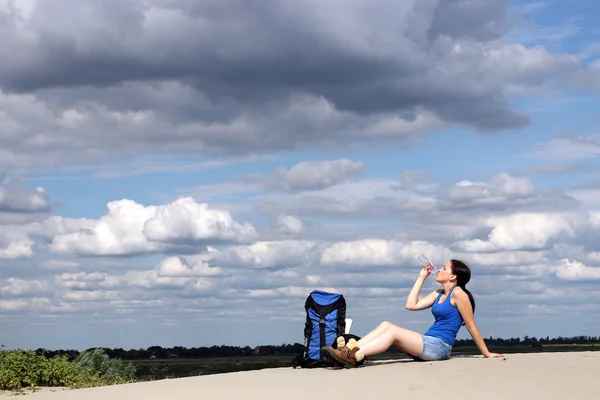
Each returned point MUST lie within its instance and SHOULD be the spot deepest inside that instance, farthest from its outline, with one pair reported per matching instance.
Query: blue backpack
(325, 321)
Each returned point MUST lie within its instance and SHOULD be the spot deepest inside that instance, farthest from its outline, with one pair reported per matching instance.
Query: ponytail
(463, 276)
(471, 299)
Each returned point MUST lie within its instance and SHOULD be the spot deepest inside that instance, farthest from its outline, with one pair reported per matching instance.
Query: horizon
(522, 340)
(188, 172)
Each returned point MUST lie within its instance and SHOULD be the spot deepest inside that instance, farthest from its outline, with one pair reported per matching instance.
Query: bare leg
(374, 333)
(409, 342)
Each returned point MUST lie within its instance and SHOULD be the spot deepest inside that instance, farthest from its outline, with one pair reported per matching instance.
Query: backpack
(325, 321)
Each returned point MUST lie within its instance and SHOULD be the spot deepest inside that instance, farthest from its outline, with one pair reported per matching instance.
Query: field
(182, 367)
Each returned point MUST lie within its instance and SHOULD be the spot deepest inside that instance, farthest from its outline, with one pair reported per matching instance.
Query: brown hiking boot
(343, 355)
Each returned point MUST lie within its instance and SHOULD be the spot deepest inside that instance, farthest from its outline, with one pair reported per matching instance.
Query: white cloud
(187, 221)
(378, 252)
(16, 198)
(576, 271)
(17, 287)
(175, 267)
(90, 295)
(458, 207)
(281, 254)
(15, 242)
(522, 231)
(310, 175)
(503, 191)
(527, 66)
(505, 258)
(59, 226)
(13, 305)
(131, 228)
(571, 148)
(368, 198)
(152, 280)
(85, 281)
(288, 224)
(15, 250)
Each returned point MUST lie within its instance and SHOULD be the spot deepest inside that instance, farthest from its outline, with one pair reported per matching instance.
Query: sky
(185, 173)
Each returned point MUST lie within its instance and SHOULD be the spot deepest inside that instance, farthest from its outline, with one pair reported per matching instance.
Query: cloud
(192, 266)
(275, 254)
(185, 220)
(575, 271)
(503, 191)
(378, 252)
(134, 71)
(550, 169)
(16, 198)
(130, 228)
(570, 148)
(90, 129)
(524, 66)
(504, 259)
(16, 287)
(365, 199)
(13, 305)
(288, 224)
(15, 250)
(523, 231)
(166, 164)
(313, 255)
(410, 178)
(60, 265)
(15, 242)
(310, 175)
(125, 89)
(449, 204)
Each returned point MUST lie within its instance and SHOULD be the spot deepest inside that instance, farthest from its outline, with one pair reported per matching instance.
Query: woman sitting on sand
(453, 306)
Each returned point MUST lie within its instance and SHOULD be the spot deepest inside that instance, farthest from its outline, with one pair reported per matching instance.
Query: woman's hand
(426, 271)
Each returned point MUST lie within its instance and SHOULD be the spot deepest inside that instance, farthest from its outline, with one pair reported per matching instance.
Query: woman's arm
(413, 303)
(466, 311)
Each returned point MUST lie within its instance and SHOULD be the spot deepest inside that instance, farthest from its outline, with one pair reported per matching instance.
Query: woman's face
(444, 274)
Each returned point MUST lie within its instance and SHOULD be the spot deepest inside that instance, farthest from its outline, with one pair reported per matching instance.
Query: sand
(520, 376)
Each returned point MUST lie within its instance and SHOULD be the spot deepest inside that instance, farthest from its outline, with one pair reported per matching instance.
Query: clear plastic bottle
(426, 262)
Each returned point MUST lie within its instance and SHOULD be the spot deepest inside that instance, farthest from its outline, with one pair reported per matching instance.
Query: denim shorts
(434, 349)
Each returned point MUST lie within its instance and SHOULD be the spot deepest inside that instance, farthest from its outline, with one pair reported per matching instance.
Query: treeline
(532, 341)
(158, 352)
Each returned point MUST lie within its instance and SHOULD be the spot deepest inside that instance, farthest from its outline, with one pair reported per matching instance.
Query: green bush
(20, 369)
(62, 372)
(109, 370)
(26, 369)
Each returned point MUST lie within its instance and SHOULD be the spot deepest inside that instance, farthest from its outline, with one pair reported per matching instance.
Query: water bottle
(425, 261)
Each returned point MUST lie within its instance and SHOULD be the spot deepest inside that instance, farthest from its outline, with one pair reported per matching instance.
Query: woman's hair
(463, 276)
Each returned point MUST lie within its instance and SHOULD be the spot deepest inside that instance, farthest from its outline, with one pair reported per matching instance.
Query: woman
(452, 307)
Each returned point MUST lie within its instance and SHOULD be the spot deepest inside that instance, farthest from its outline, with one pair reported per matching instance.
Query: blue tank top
(447, 320)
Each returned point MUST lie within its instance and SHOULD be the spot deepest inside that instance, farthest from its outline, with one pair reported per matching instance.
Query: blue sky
(175, 174)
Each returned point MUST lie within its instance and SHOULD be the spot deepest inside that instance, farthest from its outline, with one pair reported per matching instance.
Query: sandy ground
(520, 376)
(5, 393)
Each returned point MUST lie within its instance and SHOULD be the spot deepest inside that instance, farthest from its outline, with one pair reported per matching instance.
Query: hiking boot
(344, 355)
